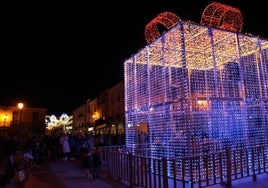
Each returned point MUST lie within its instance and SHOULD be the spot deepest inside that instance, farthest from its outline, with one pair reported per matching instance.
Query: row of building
(101, 115)
(21, 119)
(104, 114)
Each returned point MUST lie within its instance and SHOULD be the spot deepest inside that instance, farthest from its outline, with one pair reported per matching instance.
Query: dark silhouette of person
(96, 163)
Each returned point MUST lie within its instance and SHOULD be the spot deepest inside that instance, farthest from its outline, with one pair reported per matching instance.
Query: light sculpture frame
(222, 16)
(167, 19)
(199, 89)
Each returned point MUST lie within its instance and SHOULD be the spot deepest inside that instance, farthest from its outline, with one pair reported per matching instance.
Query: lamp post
(20, 106)
(5, 131)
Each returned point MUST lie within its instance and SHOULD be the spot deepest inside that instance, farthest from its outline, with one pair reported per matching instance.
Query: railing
(193, 171)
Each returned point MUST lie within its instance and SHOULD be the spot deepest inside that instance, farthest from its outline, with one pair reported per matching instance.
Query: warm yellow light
(5, 119)
(20, 105)
(202, 102)
(96, 115)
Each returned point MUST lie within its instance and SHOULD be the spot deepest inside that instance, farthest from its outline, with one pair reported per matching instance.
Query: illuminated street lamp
(20, 106)
(5, 131)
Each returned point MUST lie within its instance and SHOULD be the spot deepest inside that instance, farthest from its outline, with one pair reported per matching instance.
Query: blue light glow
(197, 90)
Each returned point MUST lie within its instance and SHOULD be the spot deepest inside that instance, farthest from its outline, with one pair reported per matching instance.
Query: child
(96, 163)
(86, 162)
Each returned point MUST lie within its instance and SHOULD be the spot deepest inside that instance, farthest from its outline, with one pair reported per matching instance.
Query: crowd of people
(34, 150)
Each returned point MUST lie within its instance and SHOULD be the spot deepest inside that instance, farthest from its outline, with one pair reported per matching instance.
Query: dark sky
(58, 54)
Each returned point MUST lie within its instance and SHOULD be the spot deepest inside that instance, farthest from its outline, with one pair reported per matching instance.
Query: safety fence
(191, 171)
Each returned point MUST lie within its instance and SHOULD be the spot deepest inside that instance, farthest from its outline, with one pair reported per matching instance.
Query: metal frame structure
(198, 87)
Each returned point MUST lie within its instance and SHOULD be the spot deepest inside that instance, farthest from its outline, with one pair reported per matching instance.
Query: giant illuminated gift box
(197, 84)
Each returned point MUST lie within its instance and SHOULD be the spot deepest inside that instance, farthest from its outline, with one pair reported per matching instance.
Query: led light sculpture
(167, 19)
(52, 121)
(222, 16)
(199, 89)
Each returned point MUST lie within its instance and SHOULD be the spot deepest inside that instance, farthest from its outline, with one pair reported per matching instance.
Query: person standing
(96, 163)
(65, 147)
(87, 162)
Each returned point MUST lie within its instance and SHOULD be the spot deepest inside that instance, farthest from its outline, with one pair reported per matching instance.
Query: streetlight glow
(5, 131)
(20, 105)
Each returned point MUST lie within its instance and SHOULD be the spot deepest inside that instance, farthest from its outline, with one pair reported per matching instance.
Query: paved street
(63, 174)
(69, 174)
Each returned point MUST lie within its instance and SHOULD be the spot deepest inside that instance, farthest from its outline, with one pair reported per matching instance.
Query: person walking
(65, 147)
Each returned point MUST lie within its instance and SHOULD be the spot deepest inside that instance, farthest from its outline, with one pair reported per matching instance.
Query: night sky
(58, 54)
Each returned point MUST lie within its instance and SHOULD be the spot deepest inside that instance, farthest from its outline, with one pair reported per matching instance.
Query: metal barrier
(192, 171)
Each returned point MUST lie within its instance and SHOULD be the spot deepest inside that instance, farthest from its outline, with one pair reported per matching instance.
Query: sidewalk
(262, 182)
(64, 174)
(72, 178)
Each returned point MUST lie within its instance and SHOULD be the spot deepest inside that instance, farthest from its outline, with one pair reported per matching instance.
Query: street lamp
(20, 106)
(5, 131)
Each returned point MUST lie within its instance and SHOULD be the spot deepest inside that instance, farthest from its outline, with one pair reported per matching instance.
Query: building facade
(81, 117)
(22, 121)
(103, 114)
(116, 110)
